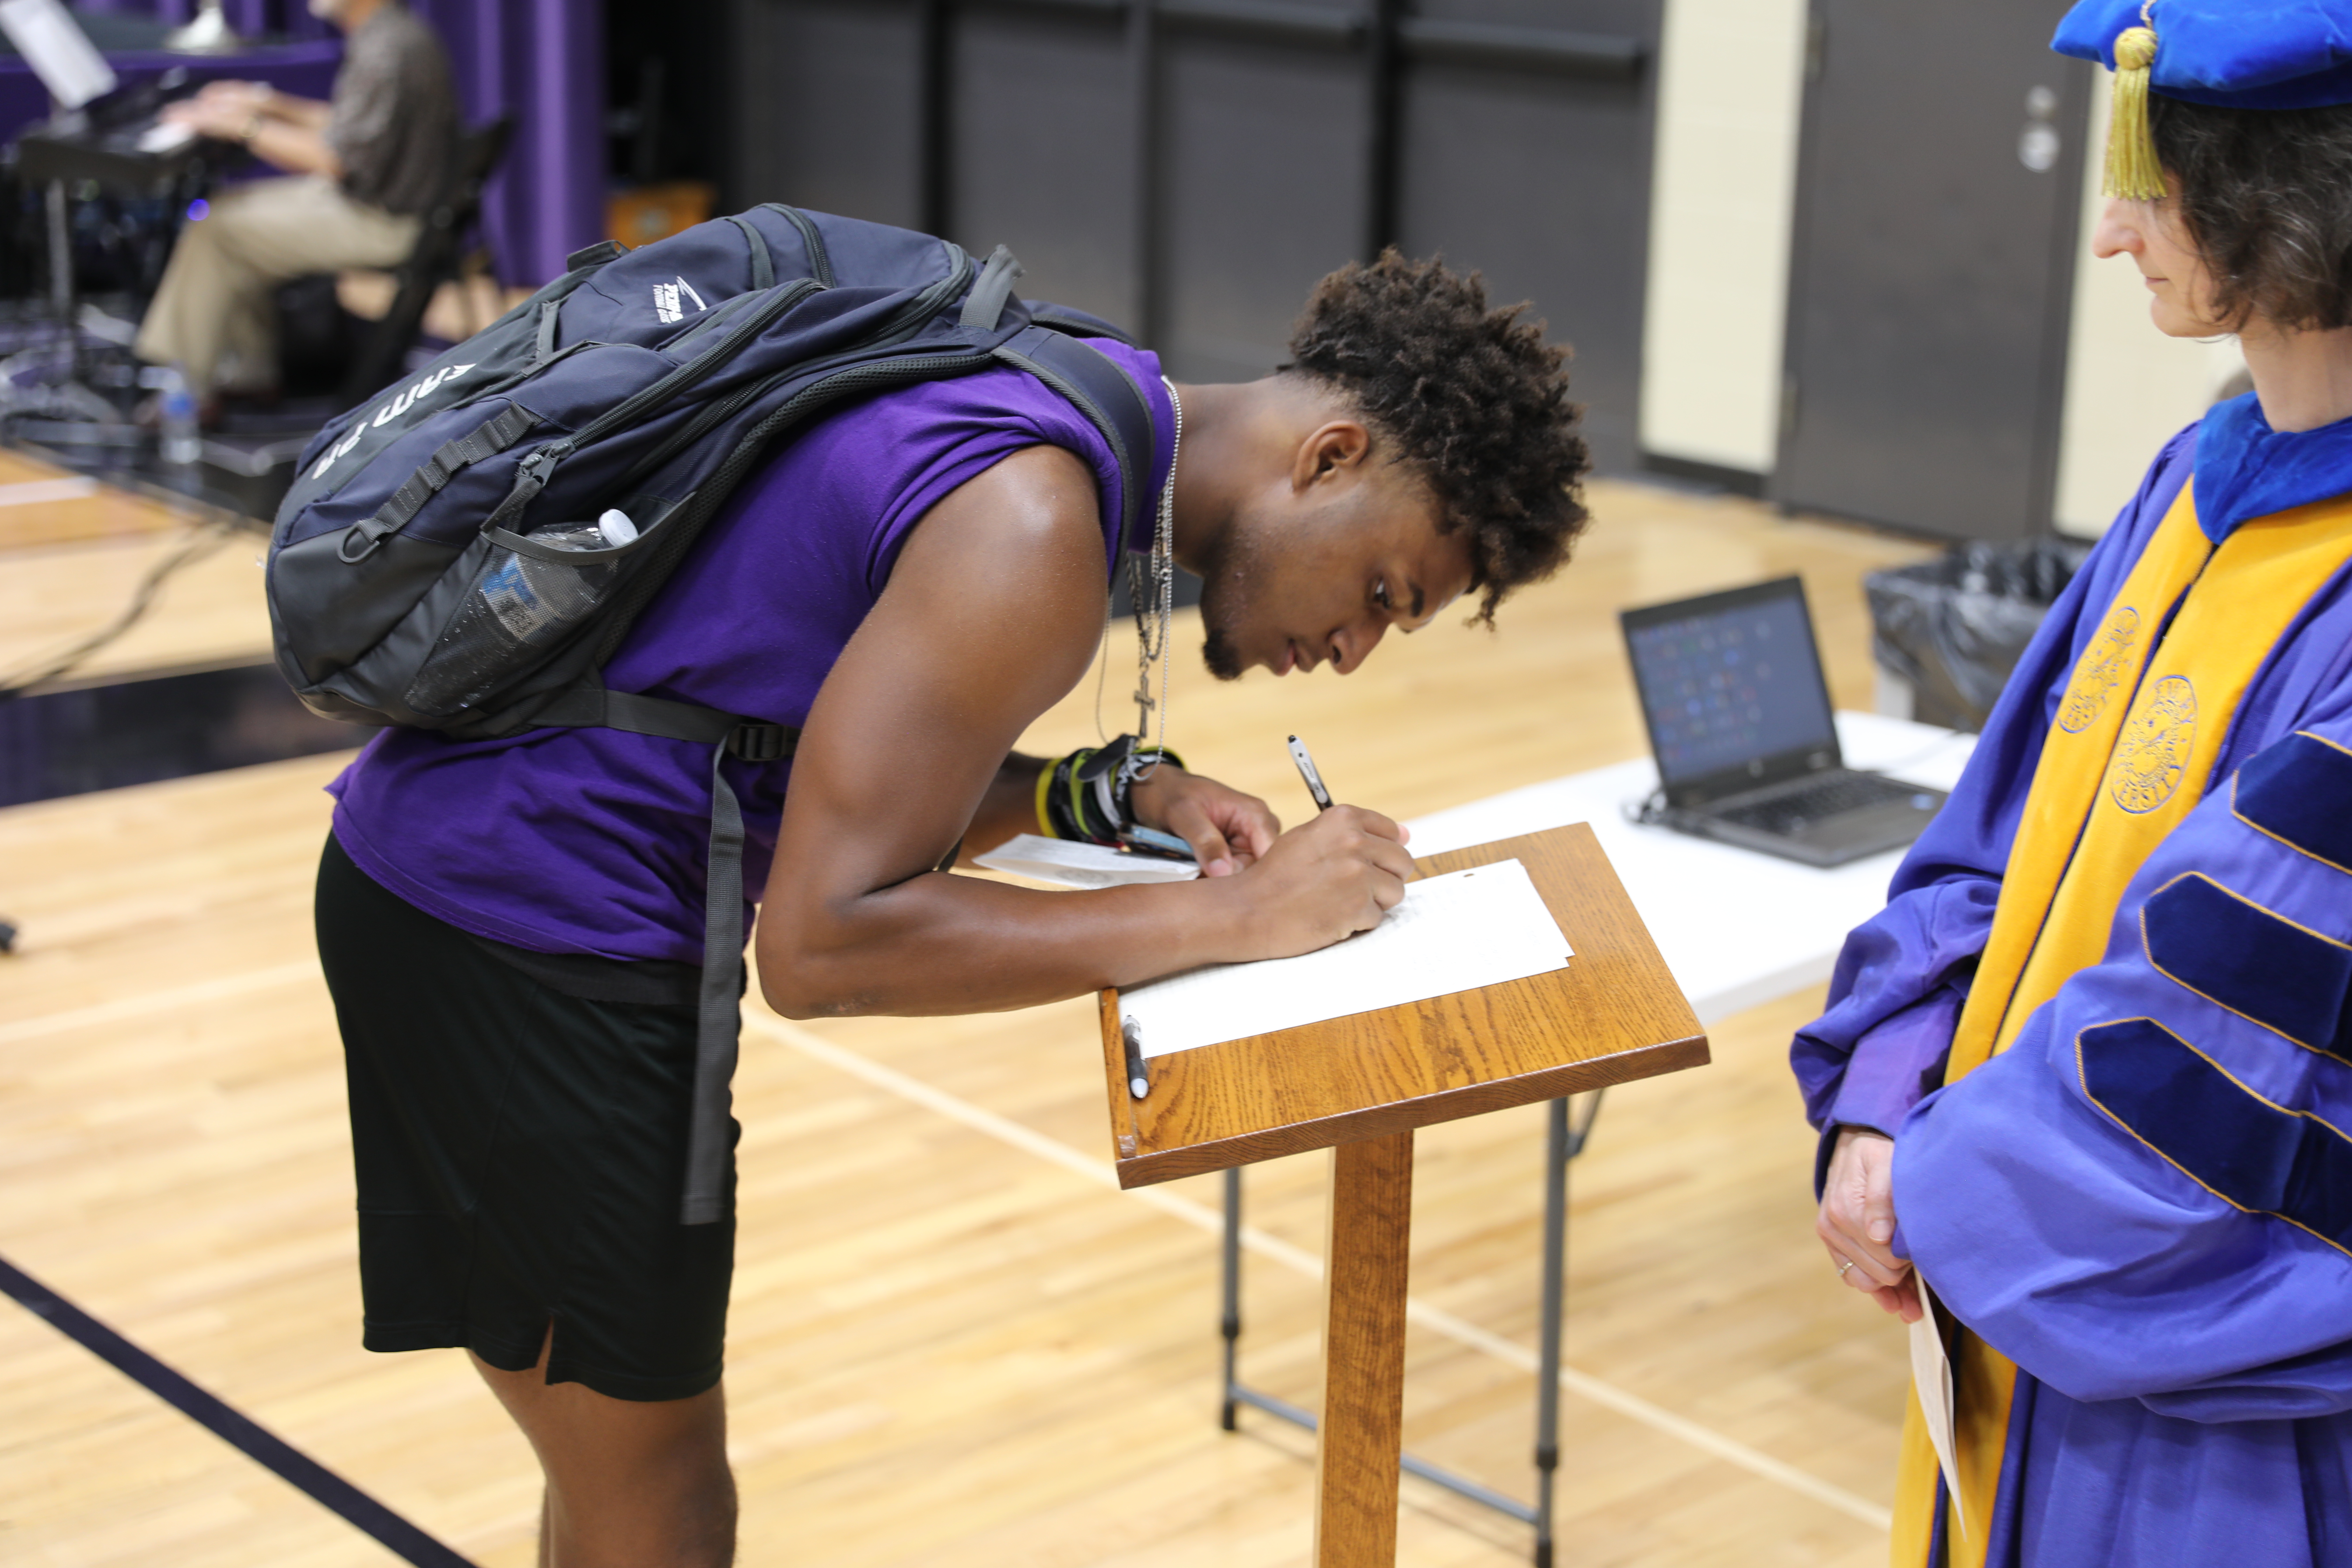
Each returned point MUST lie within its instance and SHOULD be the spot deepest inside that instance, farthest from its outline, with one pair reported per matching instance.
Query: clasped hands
(1857, 1221)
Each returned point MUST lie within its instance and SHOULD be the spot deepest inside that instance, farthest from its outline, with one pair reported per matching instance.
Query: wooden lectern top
(1613, 1015)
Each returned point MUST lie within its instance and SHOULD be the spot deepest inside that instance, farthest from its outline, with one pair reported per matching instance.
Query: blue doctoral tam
(2231, 54)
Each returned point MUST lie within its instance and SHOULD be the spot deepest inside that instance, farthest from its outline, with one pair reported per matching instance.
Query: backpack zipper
(819, 262)
(919, 310)
(630, 408)
(538, 467)
(692, 517)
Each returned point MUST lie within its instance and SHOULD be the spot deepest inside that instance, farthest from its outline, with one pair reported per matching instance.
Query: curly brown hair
(1472, 398)
(2266, 198)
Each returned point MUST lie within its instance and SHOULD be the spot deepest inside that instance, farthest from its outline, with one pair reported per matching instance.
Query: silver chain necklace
(1155, 585)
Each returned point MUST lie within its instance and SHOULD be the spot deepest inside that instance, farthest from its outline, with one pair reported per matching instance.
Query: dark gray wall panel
(1043, 154)
(828, 96)
(1263, 155)
(1635, 16)
(1542, 183)
(1537, 174)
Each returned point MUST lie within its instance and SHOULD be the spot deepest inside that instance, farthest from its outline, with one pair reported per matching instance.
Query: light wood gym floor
(952, 1338)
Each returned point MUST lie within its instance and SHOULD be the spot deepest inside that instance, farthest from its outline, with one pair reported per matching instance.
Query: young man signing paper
(912, 581)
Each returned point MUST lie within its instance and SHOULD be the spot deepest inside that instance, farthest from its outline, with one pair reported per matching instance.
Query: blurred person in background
(360, 172)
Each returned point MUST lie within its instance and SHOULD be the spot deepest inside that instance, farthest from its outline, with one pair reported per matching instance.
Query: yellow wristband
(1044, 782)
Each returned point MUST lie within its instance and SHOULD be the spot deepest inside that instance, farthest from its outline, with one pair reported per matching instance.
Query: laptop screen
(1730, 680)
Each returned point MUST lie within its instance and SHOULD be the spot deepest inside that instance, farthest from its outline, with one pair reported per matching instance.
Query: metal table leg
(74, 412)
(1564, 1141)
(1230, 1324)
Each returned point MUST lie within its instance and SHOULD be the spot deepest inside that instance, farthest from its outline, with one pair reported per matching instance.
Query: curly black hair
(1472, 398)
(2266, 198)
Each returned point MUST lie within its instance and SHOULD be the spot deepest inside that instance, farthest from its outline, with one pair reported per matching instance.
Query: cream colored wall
(1731, 81)
(2128, 386)
(1730, 90)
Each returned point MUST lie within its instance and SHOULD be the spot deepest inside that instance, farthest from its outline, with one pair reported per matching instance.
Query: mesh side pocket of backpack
(518, 609)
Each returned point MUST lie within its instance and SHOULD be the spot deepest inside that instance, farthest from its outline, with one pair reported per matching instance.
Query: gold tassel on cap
(2132, 171)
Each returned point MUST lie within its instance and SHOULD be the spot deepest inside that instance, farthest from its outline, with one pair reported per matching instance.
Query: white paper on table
(1076, 864)
(1453, 932)
(1931, 1374)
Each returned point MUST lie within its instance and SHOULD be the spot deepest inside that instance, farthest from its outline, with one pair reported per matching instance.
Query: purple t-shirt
(594, 840)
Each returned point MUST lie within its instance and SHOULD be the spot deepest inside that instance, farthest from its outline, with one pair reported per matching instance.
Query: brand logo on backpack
(393, 408)
(667, 303)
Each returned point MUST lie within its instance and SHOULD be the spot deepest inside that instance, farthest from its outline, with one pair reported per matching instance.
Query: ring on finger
(1844, 1266)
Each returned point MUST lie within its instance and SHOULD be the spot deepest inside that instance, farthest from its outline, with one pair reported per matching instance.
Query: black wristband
(1089, 794)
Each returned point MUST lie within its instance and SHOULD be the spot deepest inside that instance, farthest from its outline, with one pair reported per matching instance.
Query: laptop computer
(1739, 721)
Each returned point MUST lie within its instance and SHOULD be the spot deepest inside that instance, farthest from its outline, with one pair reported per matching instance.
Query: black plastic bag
(1955, 627)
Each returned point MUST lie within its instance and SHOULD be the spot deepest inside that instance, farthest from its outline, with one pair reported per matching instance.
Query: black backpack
(466, 551)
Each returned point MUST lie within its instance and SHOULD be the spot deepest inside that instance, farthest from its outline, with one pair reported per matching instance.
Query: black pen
(1139, 1083)
(1307, 771)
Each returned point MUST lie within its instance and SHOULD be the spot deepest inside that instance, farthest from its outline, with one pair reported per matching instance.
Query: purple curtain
(541, 61)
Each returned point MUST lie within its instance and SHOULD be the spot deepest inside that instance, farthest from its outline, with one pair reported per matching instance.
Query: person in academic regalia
(2089, 1074)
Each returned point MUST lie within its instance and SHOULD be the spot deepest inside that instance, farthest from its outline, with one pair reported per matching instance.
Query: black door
(1938, 194)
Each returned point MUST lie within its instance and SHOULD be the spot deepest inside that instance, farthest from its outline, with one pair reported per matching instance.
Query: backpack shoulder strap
(1101, 388)
(1077, 324)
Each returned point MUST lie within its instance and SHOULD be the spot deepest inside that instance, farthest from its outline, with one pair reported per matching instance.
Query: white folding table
(1737, 927)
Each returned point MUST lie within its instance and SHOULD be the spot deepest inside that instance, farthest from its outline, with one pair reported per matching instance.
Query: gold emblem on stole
(2153, 751)
(2101, 671)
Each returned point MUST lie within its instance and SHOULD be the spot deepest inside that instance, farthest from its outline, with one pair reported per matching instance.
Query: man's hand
(1324, 881)
(1228, 830)
(277, 128)
(1857, 1221)
(223, 111)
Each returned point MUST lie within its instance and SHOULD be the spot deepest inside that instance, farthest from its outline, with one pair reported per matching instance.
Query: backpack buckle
(761, 742)
(360, 540)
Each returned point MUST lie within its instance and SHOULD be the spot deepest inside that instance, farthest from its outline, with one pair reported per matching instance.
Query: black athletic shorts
(522, 1150)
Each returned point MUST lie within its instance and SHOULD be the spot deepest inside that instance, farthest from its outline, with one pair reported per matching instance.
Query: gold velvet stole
(2131, 756)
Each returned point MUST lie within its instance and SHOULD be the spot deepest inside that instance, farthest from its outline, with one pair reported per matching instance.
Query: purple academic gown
(592, 840)
(2185, 1365)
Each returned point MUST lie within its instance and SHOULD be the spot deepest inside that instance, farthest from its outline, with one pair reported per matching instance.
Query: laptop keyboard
(1832, 796)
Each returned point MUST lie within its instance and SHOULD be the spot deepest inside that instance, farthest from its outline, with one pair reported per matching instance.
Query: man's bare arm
(310, 113)
(991, 614)
(1009, 806)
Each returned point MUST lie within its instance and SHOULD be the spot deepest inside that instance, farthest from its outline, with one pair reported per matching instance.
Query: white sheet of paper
(1074, 865)
(1454, 932)
(1931, 1374)
(57, 48)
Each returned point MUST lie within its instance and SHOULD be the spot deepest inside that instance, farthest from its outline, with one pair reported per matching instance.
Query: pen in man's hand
(1138, 1080)
(1307, 771)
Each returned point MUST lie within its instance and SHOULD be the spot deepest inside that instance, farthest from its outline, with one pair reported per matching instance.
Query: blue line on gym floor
(240, 1432)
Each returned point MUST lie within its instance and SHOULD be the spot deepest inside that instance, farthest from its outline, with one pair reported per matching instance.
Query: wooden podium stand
(1359, 1086)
